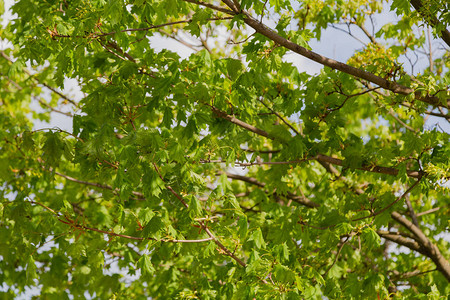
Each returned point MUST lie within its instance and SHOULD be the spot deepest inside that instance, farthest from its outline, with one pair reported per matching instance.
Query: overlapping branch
(429, 248)
(359, 73)
(52, 89)
(139, 196)
(299, 199)
(418, 5)
(318, 157)
(76, 226)
(203, 225)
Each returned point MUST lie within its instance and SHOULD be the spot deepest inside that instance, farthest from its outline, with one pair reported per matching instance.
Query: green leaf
(154, 228)
(257, 238)
(114, 11)
(224, 183)
(27, 142)
(243, 227)
(195, 206)
(283, 274)
(31, 270)
(145, 264)
(153, 184)
(434, 294)
(371, 238)
(53, 148)
(282, 252)
(234, 68)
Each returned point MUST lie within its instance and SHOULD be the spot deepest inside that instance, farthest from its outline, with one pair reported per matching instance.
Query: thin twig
(59, 130)
(390, 205)
(318, 157)
(392, 113)
(299, 199)
(349, 33)
(337, 256)
(399, 276)
(203, 224)
(97, 34)
(258, 163)
(42, 102)
(37, 98)
(430, 211)
(111, 233)
(261, 151)
(139, 196)
(366, 32)
(43, 83)
(212, 6)
(280, 117)
(170, 188)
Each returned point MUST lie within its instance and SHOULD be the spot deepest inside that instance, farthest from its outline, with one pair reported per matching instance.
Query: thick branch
(432, 251)
(398, 239)
(445, 34)
(422, 245)
(411, 211)
(386, 84)
(319, 157)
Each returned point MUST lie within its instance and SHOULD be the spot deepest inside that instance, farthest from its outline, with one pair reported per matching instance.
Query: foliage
(228, 174)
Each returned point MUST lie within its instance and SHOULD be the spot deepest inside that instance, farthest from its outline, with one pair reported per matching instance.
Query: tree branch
(37, 98)
(39, 82)
(77, 226)
(318, 157)
(374, 214)
(280, 117)
(243, 164)
(299, 199)
(418, 6)
(240, 123)
(203, 224)
(98, 34)
(140, 196)
(212, 6)
(392, 113)
(411, 211)
(337, 256)
(431, 250)
(374, 169)
(359, 73)
(428, 211)
(423, 244)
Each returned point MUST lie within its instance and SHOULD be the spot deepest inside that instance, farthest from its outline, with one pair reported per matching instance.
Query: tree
(228, 173)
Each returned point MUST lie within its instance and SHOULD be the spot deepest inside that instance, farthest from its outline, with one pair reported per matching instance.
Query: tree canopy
(229, 173)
